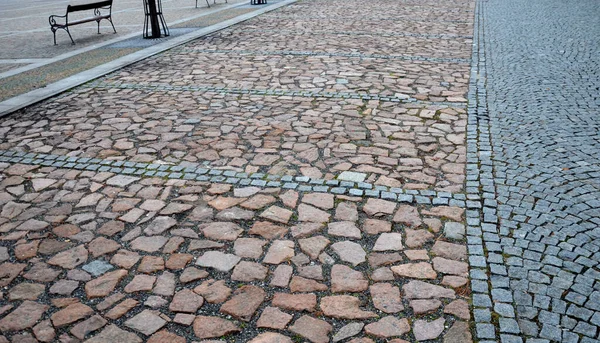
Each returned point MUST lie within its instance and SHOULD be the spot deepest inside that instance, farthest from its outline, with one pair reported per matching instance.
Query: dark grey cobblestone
(534, 124)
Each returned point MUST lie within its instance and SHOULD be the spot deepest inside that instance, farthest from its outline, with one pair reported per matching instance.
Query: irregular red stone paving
(104, 257)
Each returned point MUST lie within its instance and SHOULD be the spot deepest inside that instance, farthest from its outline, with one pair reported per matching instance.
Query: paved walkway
(296, 177)
(543, 82)
(33, 62)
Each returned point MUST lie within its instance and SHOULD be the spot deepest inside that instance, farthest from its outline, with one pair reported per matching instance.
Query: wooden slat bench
(97, 6)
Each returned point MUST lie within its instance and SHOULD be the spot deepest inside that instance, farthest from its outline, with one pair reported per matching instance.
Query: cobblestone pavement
(541, 235)
(261, 184)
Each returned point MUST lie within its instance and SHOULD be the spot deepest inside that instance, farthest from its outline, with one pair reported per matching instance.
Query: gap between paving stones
(24, 100)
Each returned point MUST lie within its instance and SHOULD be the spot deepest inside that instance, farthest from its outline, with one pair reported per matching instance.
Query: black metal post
(154, 17)
(154, 23)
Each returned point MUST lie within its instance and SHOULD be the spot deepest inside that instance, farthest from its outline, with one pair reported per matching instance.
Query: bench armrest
(52, 19)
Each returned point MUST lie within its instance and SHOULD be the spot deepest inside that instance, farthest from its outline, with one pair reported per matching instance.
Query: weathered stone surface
(271, 337)
(452, 267)
(121, 309)
(454, 281)
(454, 213)
(346, 211)
(164, 336)
(244, 302)
(348, 331)
(105, 284)
(417, 238)
(151, 264)
(23, 317)
(424, 330)
(320, 200)
(112, 334)
(281, 276)
(165, 284)
(386, 297)
(121, 180)
(149, 244)
(89, 325)
(421, 270)
(186, 301)
(273, 318)
(71, 258)
(218, 260)
(300, 284)
(71, 314)
(388, 241)
(388, 327)
(307, 213)
(44, 332)
(295, 302)
(376, 226)
(277, 214)
(450, 250)
(209, 327)
(458, 308)
(421, 306)
(191, 274)
(178, 261)
(159, 225)
(9, 271)
(249, 247)
(345, 279)
(222, 231)
(350, 252)
(64, 287)
(279, 252)
(344, 307)
(268, 230)
(408, 215)
(140, 283)
(378, 207)
(344, 229)
(249, 271)
(458, 333)
(313, 329)
(26, 291)
(147, 322)
(313, 246)
(424, 290)
(213, 291)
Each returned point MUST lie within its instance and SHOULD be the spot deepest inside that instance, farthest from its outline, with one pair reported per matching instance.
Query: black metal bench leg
(113, 26)
(69, 33)
(207, 4)
(54, 33)
(98, 21)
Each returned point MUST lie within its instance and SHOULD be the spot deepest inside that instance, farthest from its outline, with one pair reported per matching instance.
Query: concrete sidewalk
(36, 64)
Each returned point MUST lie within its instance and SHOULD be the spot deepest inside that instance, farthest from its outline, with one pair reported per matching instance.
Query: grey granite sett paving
(533, 155)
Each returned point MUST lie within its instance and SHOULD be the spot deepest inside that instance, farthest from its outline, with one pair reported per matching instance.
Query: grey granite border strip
(200, 172)
(272, 92)
(13, 104)
(403, 18)
(365, 33)
(331, 54)
(493, 310)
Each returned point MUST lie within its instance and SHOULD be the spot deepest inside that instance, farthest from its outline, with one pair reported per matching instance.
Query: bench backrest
(89, 6)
